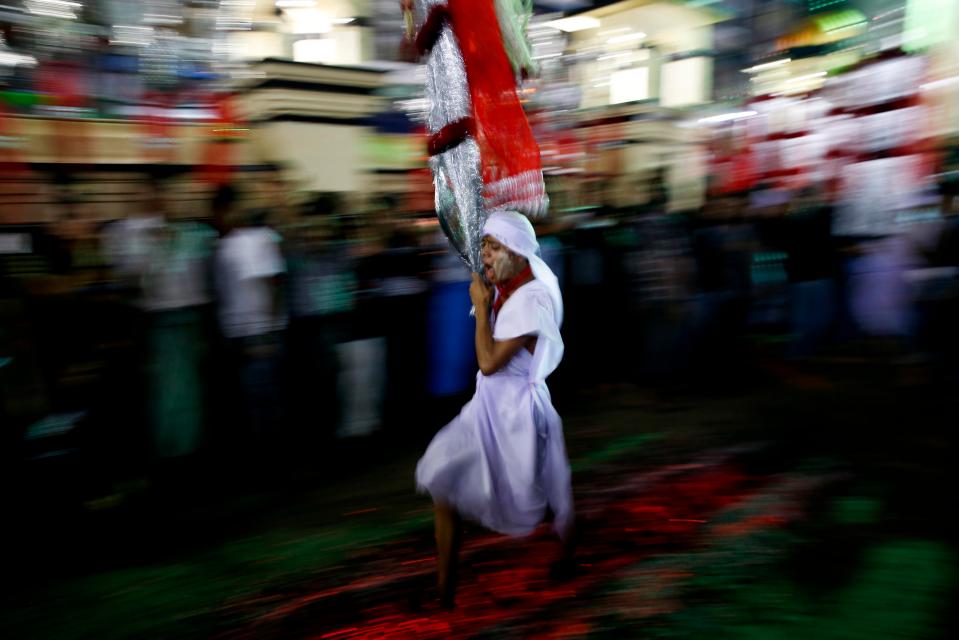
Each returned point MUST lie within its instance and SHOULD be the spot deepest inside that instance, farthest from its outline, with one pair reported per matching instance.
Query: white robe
(502, 461)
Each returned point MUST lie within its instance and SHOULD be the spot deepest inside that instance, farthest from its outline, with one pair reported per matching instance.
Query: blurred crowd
(266, 335)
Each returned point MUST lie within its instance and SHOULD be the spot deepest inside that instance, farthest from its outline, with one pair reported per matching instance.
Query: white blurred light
(767, 65)
(309, 21)
(574, 23)
(808, 76)
(11, 59)
(287, 4)
(685, 82)
(613, 56)
(727, 117)
(66, 9)
(129, 34)
(939, 84)
(314, 50)
(629, 85)
(855, 25)
(629, 56)
(136, 111)
(162, 20)
(235, 15)
(628, 37)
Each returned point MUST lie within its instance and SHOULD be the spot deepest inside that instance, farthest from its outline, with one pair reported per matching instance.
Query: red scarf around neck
(506, 289)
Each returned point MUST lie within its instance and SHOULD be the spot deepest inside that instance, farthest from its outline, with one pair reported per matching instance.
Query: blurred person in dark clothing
(52, 242)
(769, 308)
(811, 268)
(126, 246)
(451, 365)
(660, 275)
(404, 292)
(362, 353)
(949, 175)
(937, 312)
(221, 207)
(723, 242)
(658, 192)
(322, 286)
(593, 286)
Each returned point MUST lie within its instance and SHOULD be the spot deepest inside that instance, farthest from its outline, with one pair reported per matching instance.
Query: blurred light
(309, 21)
(767, 65)
(343, 20)
(634, 55)
(685, 82)
(929, 22)
(11, 59)
(287, 4)
(629, 85)
(246, 73)
(313, 50)
(547, 55)
(574, 23)
(847, 26)
(939, 84)
(413, 104)
(15, 243)
(809, 76)
(844, 19)
(609, 32)
(235, 15)
(628, 37)
(128, 34)
(880, 16)
(162, 20)
(65, 9)
(136, 111)
(727, 117)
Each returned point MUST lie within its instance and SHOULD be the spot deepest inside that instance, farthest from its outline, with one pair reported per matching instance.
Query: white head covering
(514, 231)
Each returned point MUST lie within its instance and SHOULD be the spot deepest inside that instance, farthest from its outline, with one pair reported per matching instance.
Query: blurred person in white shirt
(249, 272)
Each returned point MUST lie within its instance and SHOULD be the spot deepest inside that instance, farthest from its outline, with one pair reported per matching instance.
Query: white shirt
(246, 261)
(127, 244)
(176, 275)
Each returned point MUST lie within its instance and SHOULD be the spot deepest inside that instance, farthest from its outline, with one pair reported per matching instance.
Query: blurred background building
(220, 267)
(637, 105)
(624, 87)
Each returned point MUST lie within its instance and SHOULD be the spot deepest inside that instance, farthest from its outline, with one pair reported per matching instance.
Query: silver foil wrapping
(459, 199)
(457, 177)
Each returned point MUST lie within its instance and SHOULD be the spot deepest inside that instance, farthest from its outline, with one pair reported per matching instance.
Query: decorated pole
(482, 152)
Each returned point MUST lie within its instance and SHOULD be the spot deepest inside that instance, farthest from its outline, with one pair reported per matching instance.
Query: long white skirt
(502, 461)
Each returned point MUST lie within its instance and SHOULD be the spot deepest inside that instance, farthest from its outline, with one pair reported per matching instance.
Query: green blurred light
(930, 22)
(840, 20)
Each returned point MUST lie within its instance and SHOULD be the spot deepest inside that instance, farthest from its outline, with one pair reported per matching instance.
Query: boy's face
(499, 263)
